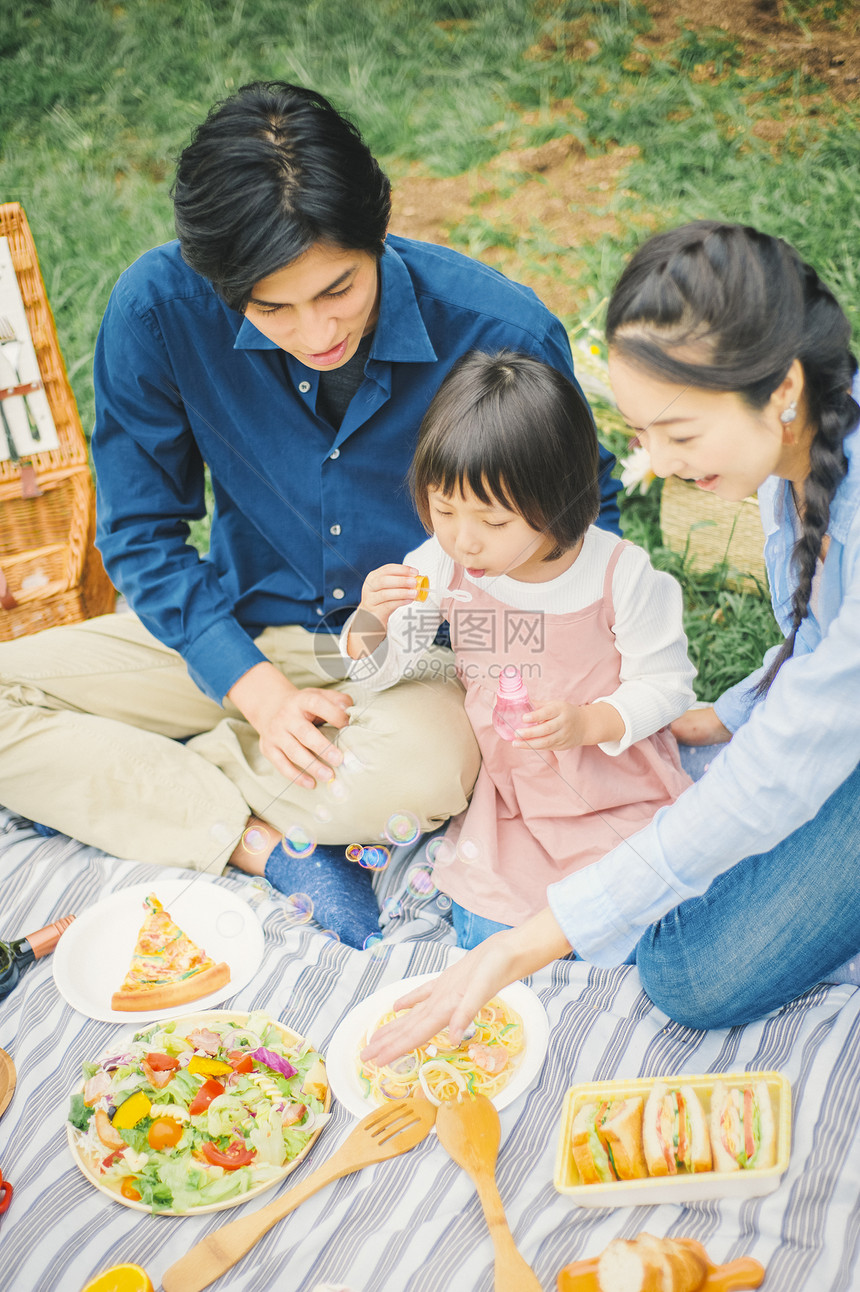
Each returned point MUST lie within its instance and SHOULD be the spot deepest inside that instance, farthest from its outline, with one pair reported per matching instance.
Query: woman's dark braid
(834, 414)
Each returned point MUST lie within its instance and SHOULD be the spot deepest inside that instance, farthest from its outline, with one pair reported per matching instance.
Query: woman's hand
(384, 591)
(559, 725)
(700, 727)
(453, 999)
(288, 721)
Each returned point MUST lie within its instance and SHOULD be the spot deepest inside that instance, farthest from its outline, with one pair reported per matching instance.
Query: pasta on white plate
(483, 1063)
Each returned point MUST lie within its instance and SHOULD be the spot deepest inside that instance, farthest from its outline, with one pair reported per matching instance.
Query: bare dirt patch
(528, 210)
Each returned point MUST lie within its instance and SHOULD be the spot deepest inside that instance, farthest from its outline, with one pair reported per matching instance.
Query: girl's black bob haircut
(273, 170)
(515, 432)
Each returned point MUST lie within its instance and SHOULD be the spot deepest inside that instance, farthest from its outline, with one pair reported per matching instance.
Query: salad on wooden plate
(198, 1113)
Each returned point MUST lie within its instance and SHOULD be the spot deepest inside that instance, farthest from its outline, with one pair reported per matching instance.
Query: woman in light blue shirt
(730, 360)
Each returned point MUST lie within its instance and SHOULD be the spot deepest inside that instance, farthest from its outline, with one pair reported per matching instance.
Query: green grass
(99, 96)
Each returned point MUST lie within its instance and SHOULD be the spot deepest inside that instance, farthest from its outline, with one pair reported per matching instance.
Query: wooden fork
(385, 1133)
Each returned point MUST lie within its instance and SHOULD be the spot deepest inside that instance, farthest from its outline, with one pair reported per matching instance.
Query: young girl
(505, 480)
(731, 360)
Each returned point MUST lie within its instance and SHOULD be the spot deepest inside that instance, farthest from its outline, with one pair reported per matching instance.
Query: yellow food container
(685, 1186)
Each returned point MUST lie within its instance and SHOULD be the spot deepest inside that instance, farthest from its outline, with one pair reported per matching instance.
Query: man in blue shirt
(291, 347)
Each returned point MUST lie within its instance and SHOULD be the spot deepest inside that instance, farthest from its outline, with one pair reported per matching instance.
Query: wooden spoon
(386, 1132)
(470, 1131)
(8, 1078)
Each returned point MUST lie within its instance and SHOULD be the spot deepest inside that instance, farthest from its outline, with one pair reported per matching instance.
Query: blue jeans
(471, 928)
(341, 891)
(767, 929)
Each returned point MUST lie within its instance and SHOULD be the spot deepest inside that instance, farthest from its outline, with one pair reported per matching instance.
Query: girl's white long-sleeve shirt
(655, 670)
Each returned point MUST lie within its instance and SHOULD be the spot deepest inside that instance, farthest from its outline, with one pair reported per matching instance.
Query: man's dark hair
(516, 432)
(271, 171)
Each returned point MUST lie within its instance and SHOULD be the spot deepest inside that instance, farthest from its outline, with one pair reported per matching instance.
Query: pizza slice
(167, 968)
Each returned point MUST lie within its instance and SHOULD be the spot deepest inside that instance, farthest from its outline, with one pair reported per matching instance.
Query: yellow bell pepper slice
(131, 1111)
(209, 1067)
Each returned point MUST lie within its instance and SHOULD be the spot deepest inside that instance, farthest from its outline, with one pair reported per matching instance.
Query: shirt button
(335, 453)
(338, 594)
(304, 387)
(335, 529)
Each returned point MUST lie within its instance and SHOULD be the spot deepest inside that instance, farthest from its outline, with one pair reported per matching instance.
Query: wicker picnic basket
(51, 572)
(712, 531)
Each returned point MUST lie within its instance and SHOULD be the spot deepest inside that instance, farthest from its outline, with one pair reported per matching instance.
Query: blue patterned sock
(340, 890)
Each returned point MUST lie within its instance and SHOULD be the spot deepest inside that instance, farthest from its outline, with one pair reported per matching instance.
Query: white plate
(93, 955)
(190, 1021)
(342, 1054)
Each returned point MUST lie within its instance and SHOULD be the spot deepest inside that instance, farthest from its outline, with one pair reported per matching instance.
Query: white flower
(637, 471)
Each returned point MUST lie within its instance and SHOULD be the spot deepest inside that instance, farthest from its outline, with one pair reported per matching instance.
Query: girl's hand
(700, 727)
(384, 591)
(453, 999)
(559, 725)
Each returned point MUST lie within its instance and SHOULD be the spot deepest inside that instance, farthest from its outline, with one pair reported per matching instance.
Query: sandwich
(607, 1141)
(743, 1135)
(648, 1264)
(675, 1131)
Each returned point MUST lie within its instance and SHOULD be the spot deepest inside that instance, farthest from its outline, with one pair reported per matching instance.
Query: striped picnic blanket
(414, 1224)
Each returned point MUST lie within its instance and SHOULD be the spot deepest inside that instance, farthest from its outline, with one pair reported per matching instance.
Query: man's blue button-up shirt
(301, 513)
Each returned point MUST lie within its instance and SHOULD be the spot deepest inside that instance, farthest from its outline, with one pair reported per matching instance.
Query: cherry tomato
(128, 1190)
(164, 1132)
(240, 1061)
(162, 1062)
(233, 1156)
(210, 1090)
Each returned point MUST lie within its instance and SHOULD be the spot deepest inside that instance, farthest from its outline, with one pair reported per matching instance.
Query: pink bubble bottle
(512, 701)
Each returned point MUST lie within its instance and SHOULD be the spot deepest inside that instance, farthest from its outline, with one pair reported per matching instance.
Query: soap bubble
(372, 940)
(402, 828)
(229, 924)
(298, 842)
(443, 902)
(405, 1066)
(391, 908)
(322, 813)
(420, 883)
(298, 908)
(468, 851)
(352, 763)
(221, 833)
(336, 789)
(330, 935)
(254, 840)
(440, 852)
(375, 858)
(354, 852)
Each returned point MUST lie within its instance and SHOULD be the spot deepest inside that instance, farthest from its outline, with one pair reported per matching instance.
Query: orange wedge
(121, 1278)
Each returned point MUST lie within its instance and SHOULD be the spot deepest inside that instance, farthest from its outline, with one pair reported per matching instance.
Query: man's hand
(289, 719)
(700, 727)
(559, 725)
(384, 591)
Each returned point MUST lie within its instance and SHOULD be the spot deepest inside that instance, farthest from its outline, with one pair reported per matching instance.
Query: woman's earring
(789, 414)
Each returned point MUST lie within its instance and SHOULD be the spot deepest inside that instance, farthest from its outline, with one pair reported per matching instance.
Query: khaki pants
(92, 716)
